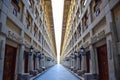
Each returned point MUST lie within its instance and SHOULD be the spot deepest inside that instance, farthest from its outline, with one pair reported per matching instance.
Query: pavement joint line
(75, 74)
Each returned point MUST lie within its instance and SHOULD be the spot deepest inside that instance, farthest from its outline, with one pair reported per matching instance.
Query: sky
(57, 7)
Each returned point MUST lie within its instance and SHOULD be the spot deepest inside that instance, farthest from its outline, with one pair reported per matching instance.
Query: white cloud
(57, 6)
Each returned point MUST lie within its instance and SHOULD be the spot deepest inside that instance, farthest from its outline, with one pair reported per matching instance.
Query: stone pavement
(57, 72)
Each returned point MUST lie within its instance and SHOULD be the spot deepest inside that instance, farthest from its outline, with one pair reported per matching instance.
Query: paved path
(57, 72)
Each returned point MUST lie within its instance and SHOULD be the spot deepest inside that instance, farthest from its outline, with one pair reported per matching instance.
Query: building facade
(27, 43)
(90, 39)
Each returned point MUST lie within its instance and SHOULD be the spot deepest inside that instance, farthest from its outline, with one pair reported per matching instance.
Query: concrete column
(2, 55)
(72, 66)
(74, 61)
(3, 33)
(92, 60)
(90, 15)
(36, 62)
(83, 66)
(78, 62)
(21, 51)
(30, 62)
(21, 59)
(43, 61)
(40, 63)
(46, 62)
(81, 27)
(113, 64)
(71, 62)
(32, 28)
(24, 17)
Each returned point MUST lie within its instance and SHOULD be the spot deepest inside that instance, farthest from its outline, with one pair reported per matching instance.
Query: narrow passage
(57, 72)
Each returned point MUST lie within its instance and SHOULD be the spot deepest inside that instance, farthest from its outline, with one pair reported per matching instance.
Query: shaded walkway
(57, 72)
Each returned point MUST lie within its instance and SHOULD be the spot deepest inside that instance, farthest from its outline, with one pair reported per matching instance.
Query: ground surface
(57, 72)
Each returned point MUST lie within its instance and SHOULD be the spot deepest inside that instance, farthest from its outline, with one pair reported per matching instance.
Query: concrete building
(90, 43)
(27, 39)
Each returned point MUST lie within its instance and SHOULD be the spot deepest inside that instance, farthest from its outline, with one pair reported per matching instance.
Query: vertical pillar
(72, 66)
(92, 60)
(32, 28)
(83, 63)
(23, 16)
(81, 27)
(70, 61)
(78, 62)
(40, 61)
(93, 63)
(45, 61)
(37, 62)
(21, 59)
(21, 49)
(2, 54)
(3, 32)
(112, 51)
(90, 15)
(74, 61)
(30, 62)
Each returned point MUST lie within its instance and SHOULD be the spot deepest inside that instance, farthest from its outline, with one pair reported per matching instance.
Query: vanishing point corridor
(83, 36)
(57, 72)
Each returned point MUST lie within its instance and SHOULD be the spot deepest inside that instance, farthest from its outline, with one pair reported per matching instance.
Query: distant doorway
(88, 61)
(9, 63)
(80, 56)
(34, 61)
(26, 61)
(103, 62)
